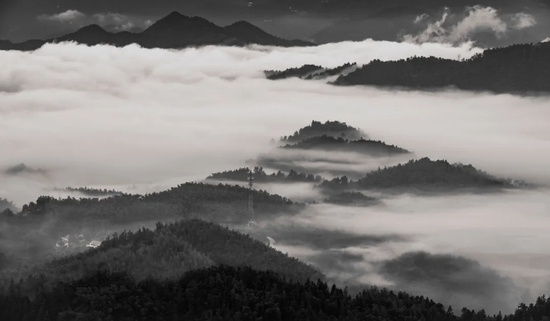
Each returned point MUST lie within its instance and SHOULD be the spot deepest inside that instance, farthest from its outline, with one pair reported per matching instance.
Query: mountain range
(171, 32)
(320, 20)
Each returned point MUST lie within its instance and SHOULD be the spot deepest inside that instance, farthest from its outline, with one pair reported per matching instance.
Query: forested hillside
(521, 68)
(91, 192)
(228, 293)
(333, 144)
(423, 174)
(310, 72)
(329, 128)
(165, 253)
(212, 202)
(260, 176)
(352, 199)
(32, 234)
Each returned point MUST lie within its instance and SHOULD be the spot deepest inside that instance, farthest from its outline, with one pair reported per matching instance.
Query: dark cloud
(336, 260)
(23, 169)
(453, 279)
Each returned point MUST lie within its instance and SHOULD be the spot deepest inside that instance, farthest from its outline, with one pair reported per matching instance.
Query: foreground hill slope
(165, 253)
(228, 293)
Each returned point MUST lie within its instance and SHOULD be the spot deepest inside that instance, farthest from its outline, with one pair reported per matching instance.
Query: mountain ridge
(174, 31)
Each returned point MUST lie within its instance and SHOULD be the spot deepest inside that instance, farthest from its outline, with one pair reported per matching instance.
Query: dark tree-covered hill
(260, 176)
(90, 192)
(214, 202)
(309, 72)
(329, 128)
(165, 253)
(352, 199)
(31, 235)
(228, 293)
(429, 173)
(423, 175)
(368, 147)
(171, 32)
(521, 68)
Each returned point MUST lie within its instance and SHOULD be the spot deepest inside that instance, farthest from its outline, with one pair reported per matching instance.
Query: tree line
(522, 68)
(234, 293)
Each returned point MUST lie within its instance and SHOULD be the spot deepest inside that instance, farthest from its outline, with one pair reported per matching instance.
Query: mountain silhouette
(171, 32)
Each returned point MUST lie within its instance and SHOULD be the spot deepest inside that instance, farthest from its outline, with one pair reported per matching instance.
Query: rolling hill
(423, 175)
(164, 253)
(328, 143)
(329, 128)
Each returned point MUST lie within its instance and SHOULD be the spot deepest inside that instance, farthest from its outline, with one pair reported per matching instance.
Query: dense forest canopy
(352, 199)
(427, 172)
(329, 128)
(164, 253)
(423, 173)
(229, 293)
(91, 192)
(33, 232)
(334, 144)
(521, 68)
(310, 72)
(260, 176)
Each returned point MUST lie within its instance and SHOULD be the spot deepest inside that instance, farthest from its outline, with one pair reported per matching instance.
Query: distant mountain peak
(174, 31)
(91, 28)
(175, 14)
(243, 23)
(173, 17)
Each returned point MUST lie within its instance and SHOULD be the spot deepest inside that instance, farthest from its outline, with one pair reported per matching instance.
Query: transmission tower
(252, 222)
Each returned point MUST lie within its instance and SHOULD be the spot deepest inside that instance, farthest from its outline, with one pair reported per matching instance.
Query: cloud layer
(101, 115)
(107, 117)
(466, 250)
(457, 29)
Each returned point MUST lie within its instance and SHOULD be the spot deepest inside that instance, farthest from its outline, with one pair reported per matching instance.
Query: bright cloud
(476, 19)
(523, 20)
(67, 16)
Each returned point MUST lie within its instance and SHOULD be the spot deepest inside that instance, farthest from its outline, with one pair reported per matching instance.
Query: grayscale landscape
(214, 158)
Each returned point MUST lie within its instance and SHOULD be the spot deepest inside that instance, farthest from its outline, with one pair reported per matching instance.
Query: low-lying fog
(140, 120)
(507, 233)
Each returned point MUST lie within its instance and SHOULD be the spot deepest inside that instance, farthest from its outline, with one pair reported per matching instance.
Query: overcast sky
(24, 19)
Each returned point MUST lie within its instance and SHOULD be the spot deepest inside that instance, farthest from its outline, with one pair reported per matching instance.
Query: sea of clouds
(150, 119)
